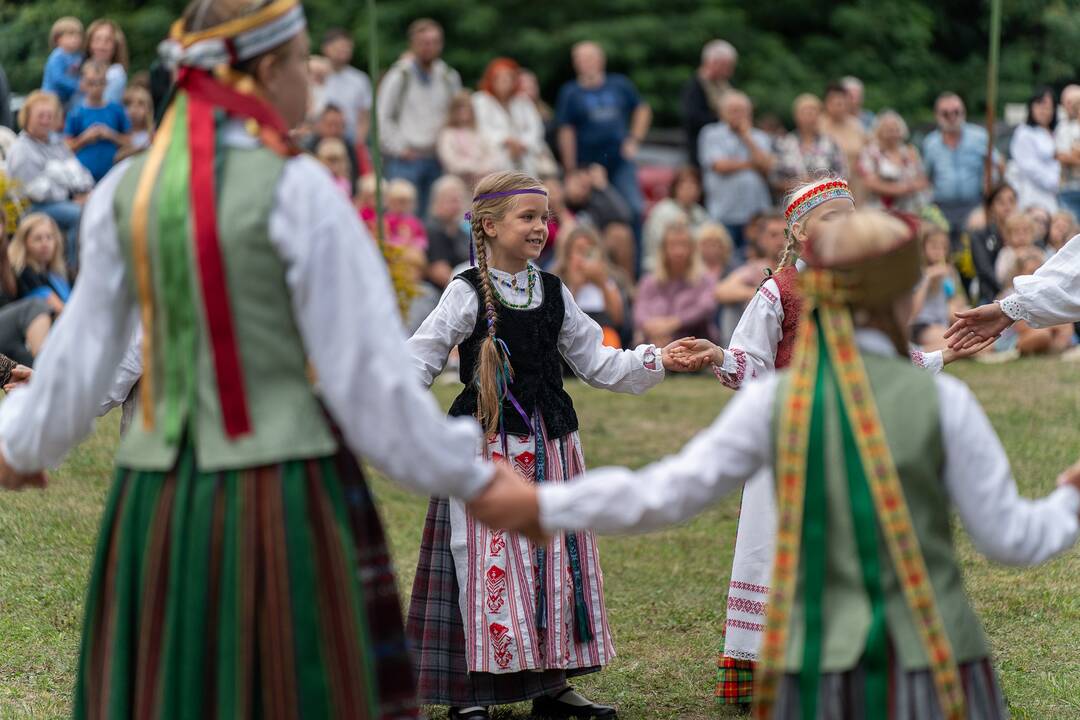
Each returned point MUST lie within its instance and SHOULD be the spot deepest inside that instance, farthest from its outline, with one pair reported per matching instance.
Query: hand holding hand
(695, 353)
(20, 375)
(949, 355)
(12, 480)
(509, 502)
(974, 327)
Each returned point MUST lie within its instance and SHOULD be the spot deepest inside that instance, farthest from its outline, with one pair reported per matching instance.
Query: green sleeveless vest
(287, 420)
(908, 405)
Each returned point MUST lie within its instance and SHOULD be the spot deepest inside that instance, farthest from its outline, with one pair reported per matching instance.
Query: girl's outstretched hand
(691, 354)
(509, 502)
(949, 355)
(12, 480)
(974, 327)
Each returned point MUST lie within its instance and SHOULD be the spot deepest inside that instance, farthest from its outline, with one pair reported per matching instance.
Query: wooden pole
(991, 93)
(376, 150)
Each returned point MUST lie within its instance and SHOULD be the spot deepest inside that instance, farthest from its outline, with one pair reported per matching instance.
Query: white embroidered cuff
(1013, 308)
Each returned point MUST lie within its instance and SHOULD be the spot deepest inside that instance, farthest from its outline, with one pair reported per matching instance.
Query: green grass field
(665, 590)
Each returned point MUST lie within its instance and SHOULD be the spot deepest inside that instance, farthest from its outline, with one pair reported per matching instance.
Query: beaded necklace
(513, 286)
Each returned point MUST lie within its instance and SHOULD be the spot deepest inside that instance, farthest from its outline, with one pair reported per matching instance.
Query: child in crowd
(1063, 227)
(37, 259)
(61, 76)
(939, 294)
(462, 150)
(447, 230)
(332, 153)
(583, 267)
(715, 246)
(105, 43)
(1025, 339)
(403, 225)
(1018, 232)
(139, 106)
(494, 618)
(95, 127)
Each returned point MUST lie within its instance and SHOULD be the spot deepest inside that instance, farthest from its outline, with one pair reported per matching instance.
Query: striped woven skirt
(264, 592)
(911, 695)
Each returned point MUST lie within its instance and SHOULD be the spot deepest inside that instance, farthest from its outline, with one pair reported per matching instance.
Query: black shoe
(472, 713)
(550, 707)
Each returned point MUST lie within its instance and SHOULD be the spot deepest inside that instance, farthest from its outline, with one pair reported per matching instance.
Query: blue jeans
(1070, 200)
(623, 177)
(421, 172)
(67, 215)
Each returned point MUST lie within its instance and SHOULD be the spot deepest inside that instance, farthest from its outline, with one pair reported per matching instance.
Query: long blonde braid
(490, 362)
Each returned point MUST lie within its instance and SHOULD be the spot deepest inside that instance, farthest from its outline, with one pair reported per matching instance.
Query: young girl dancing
(868, 616)
(762, 343)
(495, 618)
(241, 569)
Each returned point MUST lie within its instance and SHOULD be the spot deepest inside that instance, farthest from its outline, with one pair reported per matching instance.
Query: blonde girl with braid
(494, 618)
(763, 343)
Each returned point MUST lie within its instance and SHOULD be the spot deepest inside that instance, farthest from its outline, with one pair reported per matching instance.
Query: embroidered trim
(751, 607)
(918, 357)
(733, 381)
(743, 625)
(740, 655)
(739, 585)
(1013, 308)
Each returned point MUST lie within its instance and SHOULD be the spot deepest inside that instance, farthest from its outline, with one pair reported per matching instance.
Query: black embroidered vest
(532, 336)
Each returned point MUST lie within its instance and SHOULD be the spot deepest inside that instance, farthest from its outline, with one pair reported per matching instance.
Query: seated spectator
(715, 247)
(1018, 233)
(735, 158)
(583, 267)
(402, 224)
(739, 286)
(139, 106)
(37, 259)
(561, 220)
(1040, 216)
(462, 149)
(106, 44)
(683, 203)
(330, 124)
(621, 247)
(1036, 341)
(96, 129)
(986, 242)
(939, 294)
(332, 153)
(51, 176)
(890, 167)
(510, 121)
(1063, 227)
(423, 296)
(593, 200)
(61, 76)
(24, 322)
(677, 299)
(805, 151)
(365, 201)
(448, 233)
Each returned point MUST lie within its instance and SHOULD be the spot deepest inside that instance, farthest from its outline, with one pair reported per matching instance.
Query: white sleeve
(717, 461)
(752, 352)
(1003, 526)
(127, 374)
(581, 342)
(1052, 295)
(348, 317)
(447, 326)
(490, 120)
(41, 421)
(933, 362)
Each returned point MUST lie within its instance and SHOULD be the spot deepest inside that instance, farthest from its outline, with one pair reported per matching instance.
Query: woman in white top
(1034, 169)
(509, 120)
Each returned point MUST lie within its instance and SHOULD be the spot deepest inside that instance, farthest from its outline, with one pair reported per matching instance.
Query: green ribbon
(179, 325)
(815, 510)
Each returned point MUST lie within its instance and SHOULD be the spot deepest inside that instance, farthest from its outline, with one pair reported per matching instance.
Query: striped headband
(234, 41)
(821, 193)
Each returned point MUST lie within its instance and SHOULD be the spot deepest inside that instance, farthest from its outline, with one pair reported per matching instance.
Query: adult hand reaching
(509, 502)
(974, 327)
(12, 480)
(949, 355)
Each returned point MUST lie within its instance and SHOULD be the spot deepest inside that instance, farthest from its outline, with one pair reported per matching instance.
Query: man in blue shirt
(954, 156)
(603, 120)
(96, 129)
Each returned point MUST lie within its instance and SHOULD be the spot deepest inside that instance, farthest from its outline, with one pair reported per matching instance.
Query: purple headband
(506, 193)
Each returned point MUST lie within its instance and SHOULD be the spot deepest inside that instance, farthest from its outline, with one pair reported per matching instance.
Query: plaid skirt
(437, 634)
(264, 592)
(911, 695)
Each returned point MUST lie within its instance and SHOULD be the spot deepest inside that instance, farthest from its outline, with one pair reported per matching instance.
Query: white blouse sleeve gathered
(1052, 295)
(448, 325)
(751, 353)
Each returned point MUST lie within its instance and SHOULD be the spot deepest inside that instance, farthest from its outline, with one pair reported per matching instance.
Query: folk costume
(867, 616)
(1052, 295)
(495, 619)
(763, 342)
(241, 568)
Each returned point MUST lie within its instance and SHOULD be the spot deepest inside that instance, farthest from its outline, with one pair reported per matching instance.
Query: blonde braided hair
(490, 361)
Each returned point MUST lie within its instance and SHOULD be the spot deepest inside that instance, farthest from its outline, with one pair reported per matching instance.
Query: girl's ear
(488, 224)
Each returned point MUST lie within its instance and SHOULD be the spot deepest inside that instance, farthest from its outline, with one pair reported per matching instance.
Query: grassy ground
(665, 591)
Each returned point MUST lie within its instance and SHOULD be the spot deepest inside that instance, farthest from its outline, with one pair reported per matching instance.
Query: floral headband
(818, 194)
